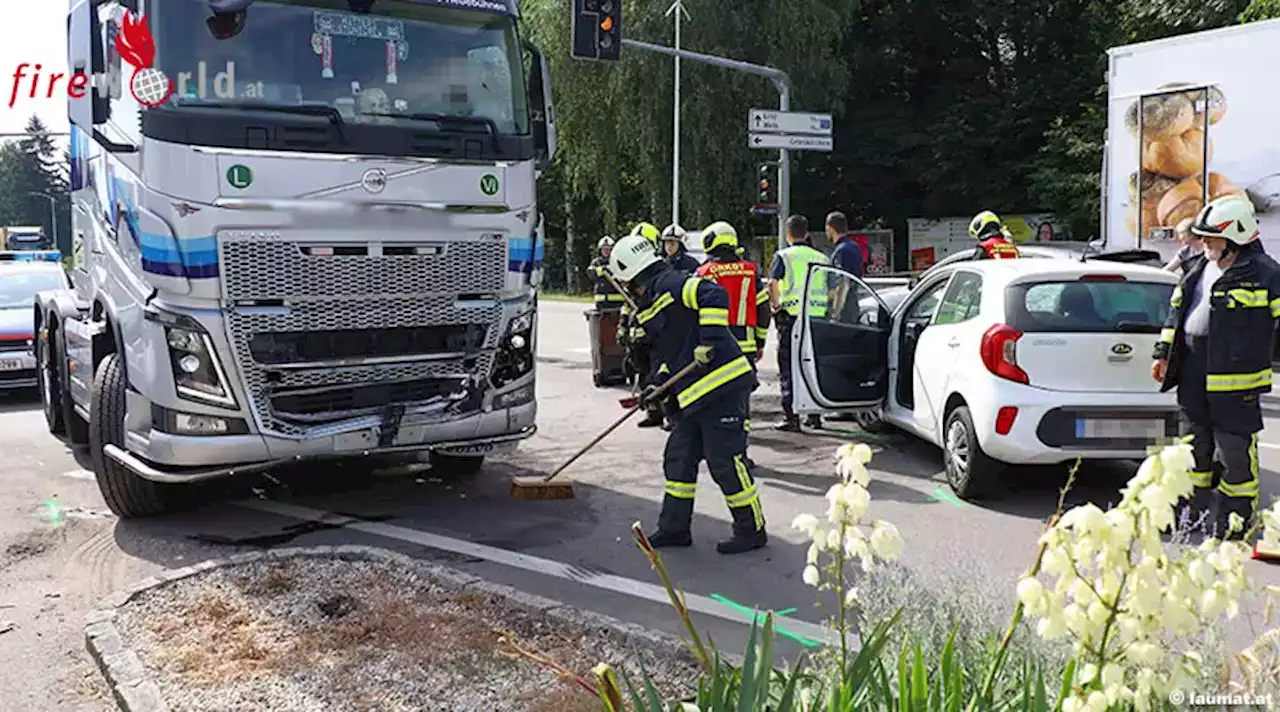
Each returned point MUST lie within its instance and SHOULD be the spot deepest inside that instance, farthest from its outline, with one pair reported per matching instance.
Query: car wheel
(970, 472)
(77, 428)
(126, 494)
(48, 376)
(456, 465)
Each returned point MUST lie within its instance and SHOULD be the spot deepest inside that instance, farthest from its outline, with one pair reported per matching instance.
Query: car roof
(1011, 270)
(30, 267)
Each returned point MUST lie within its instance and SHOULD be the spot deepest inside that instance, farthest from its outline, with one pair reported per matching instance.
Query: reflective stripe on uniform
(713, 316)
(614, 297)
(762, 332)
(652, 310)
(749, 496)
(1175, 300)
(1275, 308)
(689, 293)
(681, 490)
(1251, 298)
(795, 261)
(1166, 336)
(747, 345)
(1201, 479)
(763, 296)
(1229, 382)
(738, 367)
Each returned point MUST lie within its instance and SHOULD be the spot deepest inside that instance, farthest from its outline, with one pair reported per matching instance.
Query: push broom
(548, 487)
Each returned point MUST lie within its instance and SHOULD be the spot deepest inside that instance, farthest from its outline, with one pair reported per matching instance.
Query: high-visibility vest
(739, 280)
(998, 248)
(795, 263)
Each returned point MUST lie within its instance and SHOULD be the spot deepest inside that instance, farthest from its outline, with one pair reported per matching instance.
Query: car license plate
(1126, 429)
(14, 364)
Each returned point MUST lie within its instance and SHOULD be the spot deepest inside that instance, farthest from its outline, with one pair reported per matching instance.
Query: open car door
(840, 344)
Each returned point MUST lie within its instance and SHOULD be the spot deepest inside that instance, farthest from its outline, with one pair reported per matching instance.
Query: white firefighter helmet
(1231, 217)
(604, 243)
(631, 256)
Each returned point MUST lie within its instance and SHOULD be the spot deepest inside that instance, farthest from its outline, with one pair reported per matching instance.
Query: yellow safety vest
(795, 263)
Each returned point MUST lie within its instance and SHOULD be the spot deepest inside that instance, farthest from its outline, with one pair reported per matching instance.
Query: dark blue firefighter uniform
(679, 313)
(1220, 376)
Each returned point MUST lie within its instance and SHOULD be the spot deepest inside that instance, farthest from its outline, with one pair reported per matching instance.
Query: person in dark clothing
(606, 297)
(676, 252)
(686, 318)
(1215, 348)
(786, 292)
(638, 351)
(849, 254)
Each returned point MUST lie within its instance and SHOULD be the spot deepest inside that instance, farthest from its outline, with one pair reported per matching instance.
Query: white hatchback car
(998, 362)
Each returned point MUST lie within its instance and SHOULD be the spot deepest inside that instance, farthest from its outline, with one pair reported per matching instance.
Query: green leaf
(1068, 678)
(919, 681)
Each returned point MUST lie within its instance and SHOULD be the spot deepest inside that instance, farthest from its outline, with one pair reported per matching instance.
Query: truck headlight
(197, 373)
(515, 352)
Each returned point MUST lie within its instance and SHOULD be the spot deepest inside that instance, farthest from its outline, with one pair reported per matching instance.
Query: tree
(1261, 10)
(30, 167)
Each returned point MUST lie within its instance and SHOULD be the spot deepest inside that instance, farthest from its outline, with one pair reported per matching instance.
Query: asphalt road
(577, 550)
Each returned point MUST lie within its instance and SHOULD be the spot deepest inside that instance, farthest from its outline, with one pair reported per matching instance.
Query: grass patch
(566, 297)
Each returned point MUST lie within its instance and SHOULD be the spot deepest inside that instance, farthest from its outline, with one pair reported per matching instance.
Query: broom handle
(613, 283)
(660, 391)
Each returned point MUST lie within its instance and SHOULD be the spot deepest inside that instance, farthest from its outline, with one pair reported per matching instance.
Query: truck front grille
(288, 395)
(256, 268)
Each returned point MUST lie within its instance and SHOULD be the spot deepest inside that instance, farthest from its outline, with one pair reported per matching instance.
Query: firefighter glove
(702, 354)
(637, 333)
(647, 396)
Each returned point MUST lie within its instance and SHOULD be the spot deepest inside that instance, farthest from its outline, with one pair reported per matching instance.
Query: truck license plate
(1120, 429)
(13, 364)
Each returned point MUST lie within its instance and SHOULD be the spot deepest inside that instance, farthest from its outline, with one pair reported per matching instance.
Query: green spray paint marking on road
(758, 617)
(784, 612)
(942, 495)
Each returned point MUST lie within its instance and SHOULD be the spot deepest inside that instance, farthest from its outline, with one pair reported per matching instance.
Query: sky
(40, 38)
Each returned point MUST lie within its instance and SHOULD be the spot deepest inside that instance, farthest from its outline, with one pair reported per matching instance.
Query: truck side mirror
(100, 98)
(542, 110)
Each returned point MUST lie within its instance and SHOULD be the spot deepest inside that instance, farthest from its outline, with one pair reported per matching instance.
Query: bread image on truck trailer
(1190, 119)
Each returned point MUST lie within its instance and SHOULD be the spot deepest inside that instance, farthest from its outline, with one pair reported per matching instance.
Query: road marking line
(548, 567)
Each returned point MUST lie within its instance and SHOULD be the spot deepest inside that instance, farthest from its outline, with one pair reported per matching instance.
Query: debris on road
(6, 626)
(317, 633)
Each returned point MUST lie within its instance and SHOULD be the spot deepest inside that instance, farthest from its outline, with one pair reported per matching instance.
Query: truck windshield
(404, 61)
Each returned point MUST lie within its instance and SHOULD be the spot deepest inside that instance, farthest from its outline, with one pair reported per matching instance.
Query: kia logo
(1122, 349)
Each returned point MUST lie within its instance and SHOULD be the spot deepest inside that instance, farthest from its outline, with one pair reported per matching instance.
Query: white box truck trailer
(1191, 118)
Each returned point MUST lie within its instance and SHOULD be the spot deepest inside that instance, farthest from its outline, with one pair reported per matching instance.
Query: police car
(22, 276)
(998, 362)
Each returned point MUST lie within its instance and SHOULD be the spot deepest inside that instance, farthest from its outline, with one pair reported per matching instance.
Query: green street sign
(239, 176)
(489, 184)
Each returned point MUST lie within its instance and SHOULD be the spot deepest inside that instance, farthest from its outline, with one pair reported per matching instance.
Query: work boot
(661, 539)
(740, 543)
(790, 425)
(813, 422)
(1195, 515)
(668, 426)
(652, 419)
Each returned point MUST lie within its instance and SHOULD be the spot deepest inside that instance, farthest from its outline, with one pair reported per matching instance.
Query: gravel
(318, 634)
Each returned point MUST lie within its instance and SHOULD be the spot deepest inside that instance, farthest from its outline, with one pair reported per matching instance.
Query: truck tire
(77, 429)
(49, 376)
(456, 465)
(971, 473)
(126, 494)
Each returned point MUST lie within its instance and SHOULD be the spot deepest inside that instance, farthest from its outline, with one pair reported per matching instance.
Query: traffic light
(768, 185)
(597, 29)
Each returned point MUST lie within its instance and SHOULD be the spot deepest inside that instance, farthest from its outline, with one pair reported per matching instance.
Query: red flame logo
(135, 43)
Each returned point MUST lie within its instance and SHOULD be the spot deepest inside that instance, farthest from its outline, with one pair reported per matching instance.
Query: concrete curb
(135, 692)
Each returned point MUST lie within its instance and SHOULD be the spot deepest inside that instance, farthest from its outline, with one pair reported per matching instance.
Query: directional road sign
(788, 122)
(789, 142)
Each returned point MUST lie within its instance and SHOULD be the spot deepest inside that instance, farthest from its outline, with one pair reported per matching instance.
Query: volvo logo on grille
(1122, 349)
(374, 180)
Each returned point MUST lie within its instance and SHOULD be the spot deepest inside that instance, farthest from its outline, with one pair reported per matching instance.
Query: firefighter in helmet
(606, 296)
(675, 251)
(994, 241)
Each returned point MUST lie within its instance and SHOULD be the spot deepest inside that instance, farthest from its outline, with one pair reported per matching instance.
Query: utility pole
(780, 81)
(677, 9)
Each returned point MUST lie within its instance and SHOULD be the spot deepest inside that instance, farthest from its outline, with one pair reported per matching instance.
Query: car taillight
(1000, 353)
(1102, 278)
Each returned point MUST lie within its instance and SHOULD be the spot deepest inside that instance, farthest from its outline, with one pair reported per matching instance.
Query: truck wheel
(456, 465)
(48, 374)
(77, 429)
(971, 473)
(126, 494)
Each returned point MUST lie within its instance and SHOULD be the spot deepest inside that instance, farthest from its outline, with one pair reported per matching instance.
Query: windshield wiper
(1138, 327)
(445, 119)
(324, 110)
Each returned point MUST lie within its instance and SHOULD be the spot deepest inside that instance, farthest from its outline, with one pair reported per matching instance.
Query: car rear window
(1088, 306)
